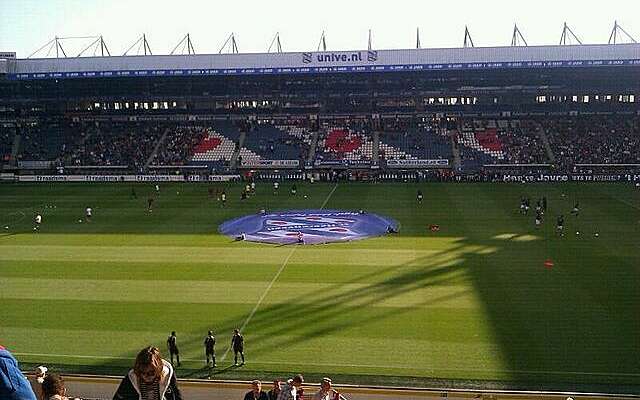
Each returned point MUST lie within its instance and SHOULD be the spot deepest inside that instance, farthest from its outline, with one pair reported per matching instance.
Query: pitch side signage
(7, 55)
(338, 57)
(417, 163)
(271, 163)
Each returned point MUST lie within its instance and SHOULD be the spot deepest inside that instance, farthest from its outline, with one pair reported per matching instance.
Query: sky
(26, 25)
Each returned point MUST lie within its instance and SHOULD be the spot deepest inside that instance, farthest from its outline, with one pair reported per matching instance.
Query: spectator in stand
(53, 388)
(275, 390)
(291, 390)
(38, 379)
(13, 385)
(256, 392)
(151, 378)
(326, 392)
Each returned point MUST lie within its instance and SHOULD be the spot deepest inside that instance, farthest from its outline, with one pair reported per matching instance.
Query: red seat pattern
(208, 143)
(489, 140)
(341, 141)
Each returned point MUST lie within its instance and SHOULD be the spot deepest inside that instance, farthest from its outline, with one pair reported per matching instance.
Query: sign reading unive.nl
(338, 57)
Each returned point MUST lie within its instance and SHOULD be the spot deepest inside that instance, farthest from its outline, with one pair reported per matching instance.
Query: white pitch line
(266, 291)
(349, 365)
(264, 294)
(329, 196)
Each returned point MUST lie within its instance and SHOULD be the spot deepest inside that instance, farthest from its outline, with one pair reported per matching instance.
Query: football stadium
(420, 223)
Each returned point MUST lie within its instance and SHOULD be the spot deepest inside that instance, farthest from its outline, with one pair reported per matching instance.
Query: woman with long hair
(151, 378)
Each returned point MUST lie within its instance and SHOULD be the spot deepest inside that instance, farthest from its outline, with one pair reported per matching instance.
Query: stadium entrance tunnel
(308, 226)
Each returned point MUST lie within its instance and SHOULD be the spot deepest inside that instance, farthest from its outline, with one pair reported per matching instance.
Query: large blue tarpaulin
(308, 226)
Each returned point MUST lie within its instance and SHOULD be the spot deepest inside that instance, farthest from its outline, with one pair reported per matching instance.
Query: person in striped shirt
(151, 378)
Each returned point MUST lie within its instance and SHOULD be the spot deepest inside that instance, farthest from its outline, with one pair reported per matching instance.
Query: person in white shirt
(291, 388)
(87, 214)
(37, 220)
(326, 392)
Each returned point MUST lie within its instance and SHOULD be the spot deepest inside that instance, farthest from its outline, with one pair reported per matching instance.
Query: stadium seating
(180, 144)
(422, 143)
(338, 143)
(213, 148)
(117, 144)
(482, 142)
(275, 143)
(42, 139)
(7, 134)
(594, 140)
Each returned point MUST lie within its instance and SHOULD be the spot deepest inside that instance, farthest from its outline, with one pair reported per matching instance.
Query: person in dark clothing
(560, 225)
(209, 348)
(151, 378)
(256, 392)
(237, 344)
(133, 193)
(419, 196)
(544, 203)
(53, 387)
(275, 390)
(150, 204)
(172, 345)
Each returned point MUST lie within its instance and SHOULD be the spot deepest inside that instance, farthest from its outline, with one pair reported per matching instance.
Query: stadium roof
(327, 61)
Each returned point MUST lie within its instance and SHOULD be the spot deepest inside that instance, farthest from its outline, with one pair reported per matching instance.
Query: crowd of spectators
(7, 134)
(594, 140)
(178, 146)
(116, 144)
(489, 141)
(150, 378)
(521, 142)
(572, 140)
(41, 139)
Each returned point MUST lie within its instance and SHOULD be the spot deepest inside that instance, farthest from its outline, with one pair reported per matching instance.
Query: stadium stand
(275, 143)
(7, 134)
(181, 144)
(423, 142)
(340, 143)
(594, 140)
(42, 139)
(117, 143)
(214, 149)
(483, 142)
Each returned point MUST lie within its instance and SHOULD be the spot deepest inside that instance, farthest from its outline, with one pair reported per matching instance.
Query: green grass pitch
(471, 303)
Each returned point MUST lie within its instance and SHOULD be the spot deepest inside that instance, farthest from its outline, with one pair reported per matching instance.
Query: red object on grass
(548, 263)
